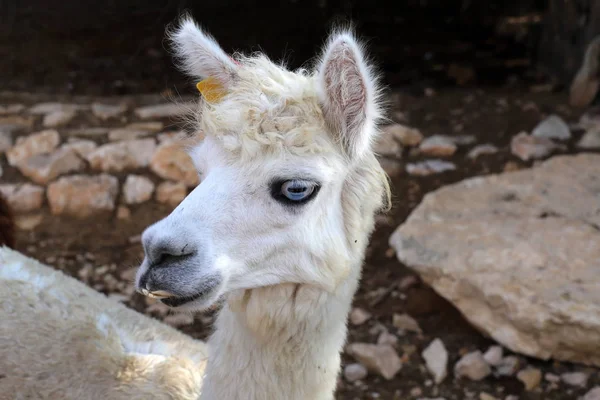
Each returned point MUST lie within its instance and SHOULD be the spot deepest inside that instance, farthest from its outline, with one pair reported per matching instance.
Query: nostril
(167, 258)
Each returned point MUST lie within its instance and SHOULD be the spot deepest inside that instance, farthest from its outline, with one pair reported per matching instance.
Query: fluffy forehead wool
(268, 109)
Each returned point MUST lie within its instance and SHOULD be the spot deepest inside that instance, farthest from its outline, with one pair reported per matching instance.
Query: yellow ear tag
(211, 90)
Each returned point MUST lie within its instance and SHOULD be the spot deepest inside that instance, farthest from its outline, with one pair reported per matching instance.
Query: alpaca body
(60, 339)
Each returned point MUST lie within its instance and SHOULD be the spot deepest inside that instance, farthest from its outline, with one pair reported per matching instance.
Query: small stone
(472, 366)
(180, 319)
(528, 147)
(87, 132)
(387, 145)
(37, 143)
(381, 359)
(171, 161)
(482, 149)
(123, 213)
(43, 168)
(150, 126)
(135, 130)
(355, 372)
(436, 360)
(171, 193)
(552, 378)
(575, 378)
(387, 338)
(129, 154)
(82, 195)
(408, 281)
(508, 366)
(135, 239)
(160, 111)
(23, 198)
(108, 111)
(531, 377)
(437, 146)
(486, 396)
(28, 222)
(119, 134)
(406, 323)
(590, 140)
(429, 167)
(405, 135)
(81, 147)
(11, 109)
(493, 355)
(511, 397)
(461, 140)
(137, 189)
(593, 394)
(49, 108)
(58, 118)
(14, 124)
(6, 141)
(392, 168)
(359, 316)
(553, 127)
(121, 298)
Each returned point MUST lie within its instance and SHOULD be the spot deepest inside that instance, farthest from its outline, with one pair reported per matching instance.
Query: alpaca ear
(200, 55)
(348, 93)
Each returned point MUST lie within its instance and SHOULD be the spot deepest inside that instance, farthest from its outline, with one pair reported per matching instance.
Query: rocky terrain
(87, 175)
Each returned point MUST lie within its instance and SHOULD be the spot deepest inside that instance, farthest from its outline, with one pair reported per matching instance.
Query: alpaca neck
(278, 342)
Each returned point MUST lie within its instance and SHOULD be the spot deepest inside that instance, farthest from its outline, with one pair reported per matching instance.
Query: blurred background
(117, 47)
(475, 87)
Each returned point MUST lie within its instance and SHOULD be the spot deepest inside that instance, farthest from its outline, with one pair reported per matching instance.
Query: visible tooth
(144, 291)
(160, 294)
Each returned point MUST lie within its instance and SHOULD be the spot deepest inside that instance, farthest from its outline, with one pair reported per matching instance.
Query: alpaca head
(289, 180)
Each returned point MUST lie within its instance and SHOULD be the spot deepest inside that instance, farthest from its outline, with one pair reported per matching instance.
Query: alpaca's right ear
(200, 55)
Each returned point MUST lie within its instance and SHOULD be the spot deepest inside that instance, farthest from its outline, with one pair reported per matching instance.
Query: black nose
(166, 262)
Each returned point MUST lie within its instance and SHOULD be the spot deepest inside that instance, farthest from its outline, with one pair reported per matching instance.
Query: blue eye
(297, 190)
(294, 191)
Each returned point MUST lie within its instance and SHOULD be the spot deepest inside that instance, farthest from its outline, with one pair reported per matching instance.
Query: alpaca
(60, 339)
(278, 227)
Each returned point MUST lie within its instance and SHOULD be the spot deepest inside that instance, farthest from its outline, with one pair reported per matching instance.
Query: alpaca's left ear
(348, 93)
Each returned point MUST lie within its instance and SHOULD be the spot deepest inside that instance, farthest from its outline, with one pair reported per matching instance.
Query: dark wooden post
(568, 27)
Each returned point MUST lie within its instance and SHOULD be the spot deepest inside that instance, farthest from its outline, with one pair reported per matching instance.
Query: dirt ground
(492, 115)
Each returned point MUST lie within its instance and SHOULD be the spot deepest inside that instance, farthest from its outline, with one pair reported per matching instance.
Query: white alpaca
(278, 228)
(279, 225)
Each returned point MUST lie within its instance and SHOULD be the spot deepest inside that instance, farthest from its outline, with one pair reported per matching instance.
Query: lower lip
(179, 301)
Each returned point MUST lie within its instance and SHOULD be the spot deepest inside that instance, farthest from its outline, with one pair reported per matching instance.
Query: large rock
(81, 195)
(518, 254)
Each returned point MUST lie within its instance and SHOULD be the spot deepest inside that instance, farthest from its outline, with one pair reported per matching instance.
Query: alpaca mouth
(179, 301)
